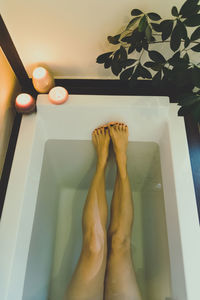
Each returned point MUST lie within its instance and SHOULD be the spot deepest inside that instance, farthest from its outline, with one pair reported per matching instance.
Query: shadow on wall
(9, 88)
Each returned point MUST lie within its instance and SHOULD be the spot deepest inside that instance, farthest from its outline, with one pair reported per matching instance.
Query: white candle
(58, 95)
(42, 80)
(25, 103)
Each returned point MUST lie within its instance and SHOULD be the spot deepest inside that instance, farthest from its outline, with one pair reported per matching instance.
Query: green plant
(143, 34)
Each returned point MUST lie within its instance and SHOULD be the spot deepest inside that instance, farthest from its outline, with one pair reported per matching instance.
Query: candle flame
(23, 99)
(39, 73)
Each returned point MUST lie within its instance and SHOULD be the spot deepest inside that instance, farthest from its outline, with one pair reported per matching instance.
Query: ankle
(122, 167)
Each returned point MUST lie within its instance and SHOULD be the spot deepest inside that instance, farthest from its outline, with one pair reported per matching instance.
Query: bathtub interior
(67, 170)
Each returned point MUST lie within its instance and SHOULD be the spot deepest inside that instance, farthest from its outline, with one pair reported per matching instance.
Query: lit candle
(43, 81)
(58, 95)
(25, 103)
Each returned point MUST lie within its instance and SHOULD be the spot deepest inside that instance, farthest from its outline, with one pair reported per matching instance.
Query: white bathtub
(40, 229)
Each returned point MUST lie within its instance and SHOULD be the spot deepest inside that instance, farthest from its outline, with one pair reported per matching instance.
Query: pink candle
(25, 103)
(58, 95)
(42, 80)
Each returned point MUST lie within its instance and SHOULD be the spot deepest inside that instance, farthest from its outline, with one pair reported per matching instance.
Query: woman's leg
(120, 280)
(88, 279)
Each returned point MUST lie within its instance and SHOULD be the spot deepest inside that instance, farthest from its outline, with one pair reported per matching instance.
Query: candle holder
(58, 95)
(43, 80)
(25, 104)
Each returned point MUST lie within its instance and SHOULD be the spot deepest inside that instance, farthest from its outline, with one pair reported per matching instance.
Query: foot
(119, 136)
(101, 141)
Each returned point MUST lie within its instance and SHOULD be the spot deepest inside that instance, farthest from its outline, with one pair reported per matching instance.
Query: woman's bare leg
(88, 279)
(120, 280)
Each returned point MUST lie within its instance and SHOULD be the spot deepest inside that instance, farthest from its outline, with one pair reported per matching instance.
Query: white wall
(68, 35)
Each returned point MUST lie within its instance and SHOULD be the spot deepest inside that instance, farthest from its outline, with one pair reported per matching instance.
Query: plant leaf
(139, 47)
(142, 72)
(125, 75)
(136, 12)
(174, 59)
(157, 77)
(154, 16)
(116, 56)
(108, 63)
(188, 99)
(148, 33)
(145, 73)
(103, 57)
(189, 8)
(157, 57)
(132, 22)
(167, 75)
(184, 111)
(115, 67)
(123, 54)
(193, 107)
(196, 111)
(156, 27)
(114, 39)
(195, 35)
(195, 74)
(143, 24)
(131, 48)
(145, 45)
(186, 58)
(137, 37)
(193, 21)
(196, 48)
(175, 41)
(187, 42)
(136, 73)
(126, 39)
(182, 29)
(128, 62)
(153, 65)
(174, 11)
(166, 28)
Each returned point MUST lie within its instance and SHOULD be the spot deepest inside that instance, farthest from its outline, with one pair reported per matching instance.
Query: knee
(94, 242)
(119, 242)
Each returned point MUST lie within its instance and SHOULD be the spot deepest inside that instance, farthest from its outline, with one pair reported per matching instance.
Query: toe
(97, 133)
(94, 136)
(118, 127)
(111, 129)
(115, 127)
(124, 127)
(94, 133)
(107, 132)
(121, 126)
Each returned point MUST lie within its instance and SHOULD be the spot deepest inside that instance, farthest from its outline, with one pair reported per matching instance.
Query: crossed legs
(102, 274)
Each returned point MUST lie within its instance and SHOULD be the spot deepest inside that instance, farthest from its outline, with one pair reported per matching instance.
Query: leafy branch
(147, 29)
